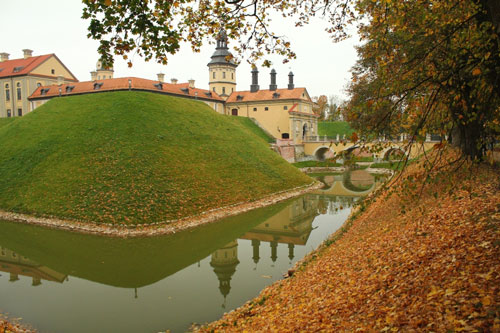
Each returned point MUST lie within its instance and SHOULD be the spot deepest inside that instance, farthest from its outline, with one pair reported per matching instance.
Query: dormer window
(239, 98)
(97, 85)
(159, 86)
(69, 88)
(276, 95)
(208, 93)
(1, 69)
(185, 90)
(17, 69)
(44, 91)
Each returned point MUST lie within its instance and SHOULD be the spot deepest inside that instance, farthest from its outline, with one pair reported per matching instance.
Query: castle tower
(101, 73)
(222, 69)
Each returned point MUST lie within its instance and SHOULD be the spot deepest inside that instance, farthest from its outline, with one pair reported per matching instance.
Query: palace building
(19, 78)
(284, 113)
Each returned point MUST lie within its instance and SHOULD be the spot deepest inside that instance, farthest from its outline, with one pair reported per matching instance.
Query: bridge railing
(397, 138)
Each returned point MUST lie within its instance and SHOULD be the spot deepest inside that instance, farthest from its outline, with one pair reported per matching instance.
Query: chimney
(273, 85)
(60, 80)
(290, 81)
(27, 53)
(161, 77)
(254, 87)
(93, 76)
(174, 81)
(191, 83)
(4, 56)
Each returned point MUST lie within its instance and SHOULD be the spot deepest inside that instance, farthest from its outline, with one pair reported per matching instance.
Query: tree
(425, 66)
(428, 67)
(320, 106)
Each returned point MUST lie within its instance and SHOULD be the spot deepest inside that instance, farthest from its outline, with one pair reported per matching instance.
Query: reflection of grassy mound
(134, 157)
(127, 263)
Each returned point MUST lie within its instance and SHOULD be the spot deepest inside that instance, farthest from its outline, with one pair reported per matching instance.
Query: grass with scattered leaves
(134, 157)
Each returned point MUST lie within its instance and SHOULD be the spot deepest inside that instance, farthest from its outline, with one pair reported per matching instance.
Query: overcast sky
(56, 26)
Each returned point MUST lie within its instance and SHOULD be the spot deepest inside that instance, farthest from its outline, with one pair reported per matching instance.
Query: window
(44, 91)
(255, 109)
(69, 88)
(239, 98)
(18, 91)
(266, 109)
(285, 107)
(223, 75)
(39, 84)
(7, 92)
(213, 89)
(53, 71)
(232, 89)
(97, 86)
(213, 74)
(223, 90)
(17, 69)
(19, 112)
(232, 76)
(8, 113)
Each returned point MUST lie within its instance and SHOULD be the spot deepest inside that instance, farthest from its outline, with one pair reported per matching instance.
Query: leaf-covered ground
(434, 267)
(134, 158)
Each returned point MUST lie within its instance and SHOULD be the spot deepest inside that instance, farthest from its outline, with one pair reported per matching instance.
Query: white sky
(56, 26)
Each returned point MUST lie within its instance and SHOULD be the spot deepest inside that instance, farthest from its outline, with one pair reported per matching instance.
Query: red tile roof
(89, 87)
(25, 66)
(266, 95)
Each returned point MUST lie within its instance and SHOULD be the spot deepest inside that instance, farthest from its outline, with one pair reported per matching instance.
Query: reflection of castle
(224, 262)
(291, 226)
(16, 265)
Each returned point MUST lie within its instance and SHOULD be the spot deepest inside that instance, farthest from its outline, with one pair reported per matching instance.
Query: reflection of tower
(291, 246)
(224, 262)
(255, 246)
(274, 250)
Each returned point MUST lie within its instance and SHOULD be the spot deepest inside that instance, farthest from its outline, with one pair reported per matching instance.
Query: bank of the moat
(56, 280)
(409, 261)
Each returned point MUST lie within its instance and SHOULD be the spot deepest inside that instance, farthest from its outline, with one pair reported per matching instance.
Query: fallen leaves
(435, 268)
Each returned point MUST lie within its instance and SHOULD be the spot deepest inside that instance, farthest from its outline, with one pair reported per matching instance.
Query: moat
(65, 282)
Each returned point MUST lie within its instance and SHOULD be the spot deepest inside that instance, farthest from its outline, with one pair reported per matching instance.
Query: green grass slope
(134, 157)
(332, 128)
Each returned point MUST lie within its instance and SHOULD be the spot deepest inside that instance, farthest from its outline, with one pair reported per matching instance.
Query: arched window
(213, 74)
(223, 75)
(18, 91)
(7, 92)
(223, 90)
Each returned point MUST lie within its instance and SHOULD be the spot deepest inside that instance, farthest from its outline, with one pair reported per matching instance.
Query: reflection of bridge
(16, 265)
(322, 147)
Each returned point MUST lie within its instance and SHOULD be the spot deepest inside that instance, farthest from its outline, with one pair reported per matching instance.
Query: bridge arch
(323, 152)
(386, 153)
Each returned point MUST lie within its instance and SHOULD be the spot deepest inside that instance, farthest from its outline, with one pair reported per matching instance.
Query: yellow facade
(16, 87)
(275, 118)
(222, 80)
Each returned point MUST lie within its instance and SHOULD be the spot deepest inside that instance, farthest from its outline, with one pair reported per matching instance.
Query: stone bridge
(323, 147)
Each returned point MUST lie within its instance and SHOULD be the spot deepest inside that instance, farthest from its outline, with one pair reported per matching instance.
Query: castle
(286, 114)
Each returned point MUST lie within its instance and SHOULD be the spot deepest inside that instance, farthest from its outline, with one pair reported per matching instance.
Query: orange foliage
(435, 267)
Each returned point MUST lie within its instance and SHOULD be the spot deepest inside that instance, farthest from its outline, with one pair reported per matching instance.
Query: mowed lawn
(134, 157)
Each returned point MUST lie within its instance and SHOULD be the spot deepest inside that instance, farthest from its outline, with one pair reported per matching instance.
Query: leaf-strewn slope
(434, 268)
(133, 157)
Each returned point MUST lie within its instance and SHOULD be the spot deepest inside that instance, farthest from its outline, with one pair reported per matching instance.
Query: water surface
(65, 282)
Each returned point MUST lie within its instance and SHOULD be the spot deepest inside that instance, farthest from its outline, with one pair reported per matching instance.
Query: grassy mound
(134, 157)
